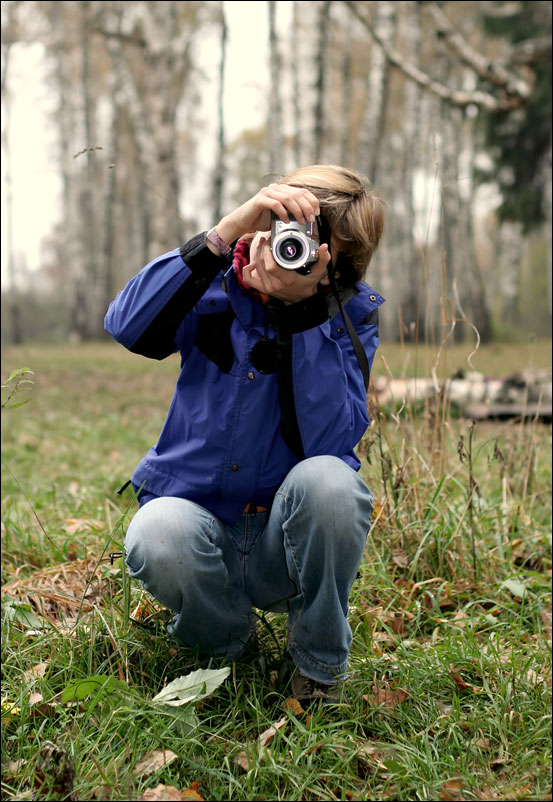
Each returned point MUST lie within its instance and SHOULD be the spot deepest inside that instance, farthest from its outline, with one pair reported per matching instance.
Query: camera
(294, 246)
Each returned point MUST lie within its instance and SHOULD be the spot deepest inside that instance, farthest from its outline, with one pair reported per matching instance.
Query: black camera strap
(324, 236)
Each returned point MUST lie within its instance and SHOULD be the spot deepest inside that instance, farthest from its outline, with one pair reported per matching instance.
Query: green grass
(450, 689)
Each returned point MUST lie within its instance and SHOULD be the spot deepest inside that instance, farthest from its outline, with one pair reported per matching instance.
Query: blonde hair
(352, 208)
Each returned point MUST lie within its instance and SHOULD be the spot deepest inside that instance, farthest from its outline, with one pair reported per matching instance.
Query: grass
(450, 689)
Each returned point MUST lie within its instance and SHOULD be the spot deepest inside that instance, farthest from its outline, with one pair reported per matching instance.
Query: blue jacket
(234, 430)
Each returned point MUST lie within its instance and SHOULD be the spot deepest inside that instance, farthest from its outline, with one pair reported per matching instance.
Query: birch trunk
(275, 105)
(346, 78)
(372, 129)
(71, 247)
(219, 176)
(154, 61)
(410, 262)
(319, 131)
(296, 91)
(14, 310)
(90, 323)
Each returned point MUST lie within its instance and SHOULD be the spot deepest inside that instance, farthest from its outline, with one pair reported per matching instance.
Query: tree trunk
(410, 260)
(345, 127)
(319, 132)
(372, 130)
(296, 86)
(71, 248)
(14, 310)
(219, 177)
(276, 156)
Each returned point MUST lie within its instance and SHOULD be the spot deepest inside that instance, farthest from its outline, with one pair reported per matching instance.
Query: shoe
(310, 691)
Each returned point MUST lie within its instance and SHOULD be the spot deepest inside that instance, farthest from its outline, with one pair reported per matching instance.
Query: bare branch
(455, 97)
(484, 67)
(531, 51)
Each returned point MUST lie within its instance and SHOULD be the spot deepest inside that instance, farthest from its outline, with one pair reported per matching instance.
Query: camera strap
(324, 236)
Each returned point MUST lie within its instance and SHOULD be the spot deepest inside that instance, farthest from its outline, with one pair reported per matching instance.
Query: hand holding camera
(255, 214)
(289, 285)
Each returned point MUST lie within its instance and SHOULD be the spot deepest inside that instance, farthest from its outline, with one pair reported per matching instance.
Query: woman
(251, 497)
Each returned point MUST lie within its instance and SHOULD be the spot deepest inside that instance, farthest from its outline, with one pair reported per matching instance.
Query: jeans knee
(328, 479)
(334, 498)
(158, 536)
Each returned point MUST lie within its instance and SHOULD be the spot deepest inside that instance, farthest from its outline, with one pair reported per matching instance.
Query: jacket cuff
(301, 316)
(198, 257)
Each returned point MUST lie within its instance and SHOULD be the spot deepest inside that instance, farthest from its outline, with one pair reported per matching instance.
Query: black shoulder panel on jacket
(371, 319)
(158, 340)
(213, 339)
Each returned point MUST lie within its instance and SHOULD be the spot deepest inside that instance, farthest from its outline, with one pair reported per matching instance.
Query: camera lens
(288, 250)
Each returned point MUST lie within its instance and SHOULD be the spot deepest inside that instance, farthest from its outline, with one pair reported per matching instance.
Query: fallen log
(525, 394)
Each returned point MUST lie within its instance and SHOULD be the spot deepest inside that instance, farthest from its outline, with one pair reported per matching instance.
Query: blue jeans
(301, 558)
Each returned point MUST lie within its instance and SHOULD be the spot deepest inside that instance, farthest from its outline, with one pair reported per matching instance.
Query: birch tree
(372, 129)
(276, 154)
(219, 174)
(323, 50)
(8, 38)
(155, 48)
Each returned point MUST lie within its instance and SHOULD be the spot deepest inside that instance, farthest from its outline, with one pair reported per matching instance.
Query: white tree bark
(276, 155)
(368, 156)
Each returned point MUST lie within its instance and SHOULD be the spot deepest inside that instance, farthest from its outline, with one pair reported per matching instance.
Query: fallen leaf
(400, 559)
(73, 525)
(14, 767)
(242, 760)
(292, 705)
(10, 710)
(245, 761)
(397, 624)
(385, 697)
(546, 617)
(487, 794)
(192, 792)
(372, 757)
(461, 683)
(451, 790)
(35, 672)
(533, 678)
(167, 792)
(153, 761)
(483, 743)
(267, 736)
(515, 587)
(382, 640)
(192, 687)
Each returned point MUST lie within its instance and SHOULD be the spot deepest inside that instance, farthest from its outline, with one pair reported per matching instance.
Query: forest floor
(449, 695)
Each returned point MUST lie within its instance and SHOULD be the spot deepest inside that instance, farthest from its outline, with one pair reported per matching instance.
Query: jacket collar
(247, 309)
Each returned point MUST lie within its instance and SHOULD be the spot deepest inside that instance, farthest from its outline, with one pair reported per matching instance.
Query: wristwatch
(222, 246)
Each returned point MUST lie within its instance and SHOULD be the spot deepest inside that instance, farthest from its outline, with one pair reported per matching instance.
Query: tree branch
(455, 97)
(490, 70)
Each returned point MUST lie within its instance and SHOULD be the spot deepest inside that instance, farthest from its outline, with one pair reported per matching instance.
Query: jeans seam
(297, 566)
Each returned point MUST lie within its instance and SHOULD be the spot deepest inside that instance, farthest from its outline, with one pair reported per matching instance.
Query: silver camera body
(294, 246)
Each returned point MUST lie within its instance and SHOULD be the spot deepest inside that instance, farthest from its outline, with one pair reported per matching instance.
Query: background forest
(445, 106)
